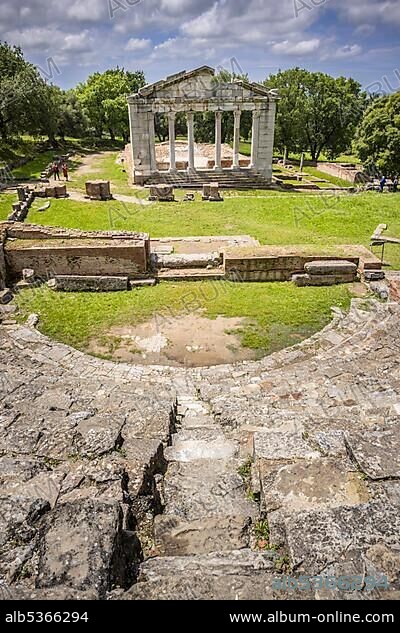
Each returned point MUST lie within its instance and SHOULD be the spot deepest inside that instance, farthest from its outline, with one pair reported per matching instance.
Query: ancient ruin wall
(124, 258)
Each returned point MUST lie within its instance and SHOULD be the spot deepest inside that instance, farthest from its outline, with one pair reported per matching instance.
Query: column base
(236, 167)
(173, 170)
(218, 168)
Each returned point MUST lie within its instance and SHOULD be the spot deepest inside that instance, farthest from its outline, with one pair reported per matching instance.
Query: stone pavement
(137, 483)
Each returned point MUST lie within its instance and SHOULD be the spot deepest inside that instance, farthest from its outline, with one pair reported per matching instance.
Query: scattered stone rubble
(127, 482)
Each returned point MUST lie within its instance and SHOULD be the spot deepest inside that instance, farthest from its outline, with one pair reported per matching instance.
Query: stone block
(374, 275)
(332, 267)
(161, 193)
(56, 191)
(80, 283)
(176, 537)
(211, 192)
(98, 189)
(322, 280)
(5, 296)
(28, 274)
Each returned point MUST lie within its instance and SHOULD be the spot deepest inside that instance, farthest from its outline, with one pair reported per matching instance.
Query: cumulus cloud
(136, 44)
(167, 35)
(305, 47)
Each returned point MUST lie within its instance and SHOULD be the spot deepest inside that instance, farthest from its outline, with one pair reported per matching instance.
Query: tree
(22, 93)
(378, 137)
(316, 112)
(103, 97)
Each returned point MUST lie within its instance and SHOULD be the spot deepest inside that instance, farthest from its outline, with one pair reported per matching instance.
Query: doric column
(255, 138)
(152, 143)
(218, 138)
(172, 155)
(190, 127)
(236, 139)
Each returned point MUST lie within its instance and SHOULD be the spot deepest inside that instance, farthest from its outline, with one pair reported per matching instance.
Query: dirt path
(186, 341)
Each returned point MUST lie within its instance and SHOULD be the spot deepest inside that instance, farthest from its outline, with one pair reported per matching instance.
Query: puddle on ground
(187, 341)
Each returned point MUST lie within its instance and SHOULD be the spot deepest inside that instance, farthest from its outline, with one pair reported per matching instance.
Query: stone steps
(203, 537)
(246, 179)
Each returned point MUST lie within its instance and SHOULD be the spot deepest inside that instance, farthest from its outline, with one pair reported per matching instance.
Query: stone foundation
(51, 251)
(79, 283)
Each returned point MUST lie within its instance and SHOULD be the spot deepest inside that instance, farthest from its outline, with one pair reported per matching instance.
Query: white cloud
(305, 47)
(136, 44)
(78, 43)
(350, 50)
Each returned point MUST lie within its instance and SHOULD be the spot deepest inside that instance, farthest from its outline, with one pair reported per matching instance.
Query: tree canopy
(316, 112)
(378, 137)
(103, 97)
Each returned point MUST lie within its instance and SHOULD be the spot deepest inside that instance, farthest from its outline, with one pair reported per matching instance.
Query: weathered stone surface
(281, 445)
(317, 537)
(81, 283)
(308, 484)
(162, 193)
(205, 489)
(193, 450)
(98, 189)
(376, 452)
(80, 546)
(174, 537)
(333, 267)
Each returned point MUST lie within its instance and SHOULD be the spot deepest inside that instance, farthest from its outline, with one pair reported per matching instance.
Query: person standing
(65, 170)
(56, 171)
(382, 183)
(395, 184)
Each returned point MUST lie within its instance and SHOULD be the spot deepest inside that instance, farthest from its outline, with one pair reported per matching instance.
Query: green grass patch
(6, 202)
(278, 314)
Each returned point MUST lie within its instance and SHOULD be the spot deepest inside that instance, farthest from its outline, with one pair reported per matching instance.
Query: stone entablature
(201, 91)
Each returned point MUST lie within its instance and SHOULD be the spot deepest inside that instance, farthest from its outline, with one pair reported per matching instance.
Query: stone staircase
(204, 535)
(227, 179)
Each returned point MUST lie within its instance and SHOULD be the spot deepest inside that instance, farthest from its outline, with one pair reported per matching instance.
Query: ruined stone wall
(270, 268)
(351, 174)
(57, 251)
(128, 258)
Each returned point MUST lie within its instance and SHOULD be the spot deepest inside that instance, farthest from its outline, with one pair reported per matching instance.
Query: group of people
(383, 183)
(57, 167)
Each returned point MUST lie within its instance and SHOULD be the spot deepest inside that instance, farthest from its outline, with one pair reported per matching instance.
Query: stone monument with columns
(201, 90)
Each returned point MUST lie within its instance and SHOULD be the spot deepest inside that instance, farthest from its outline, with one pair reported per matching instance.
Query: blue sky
(358, 38)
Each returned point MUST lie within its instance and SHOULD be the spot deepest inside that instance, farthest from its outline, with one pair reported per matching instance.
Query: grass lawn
(279, 314)
(6, 201)
(273, 219)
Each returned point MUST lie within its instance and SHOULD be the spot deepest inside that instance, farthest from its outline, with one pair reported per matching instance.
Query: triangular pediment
(203, 84)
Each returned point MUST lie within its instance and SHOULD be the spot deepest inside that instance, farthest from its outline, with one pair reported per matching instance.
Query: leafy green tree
(22, 93)
(316, 112)
(378, 137)
(103, 97)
